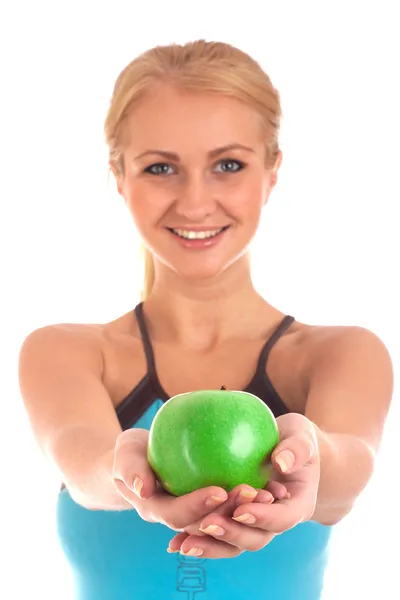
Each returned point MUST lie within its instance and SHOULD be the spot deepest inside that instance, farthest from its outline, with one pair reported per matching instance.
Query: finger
(293, 453)
(243, 494)
(180, 512)
(277, 489)
(176, 542)
(239, 535)
(264, 497)
(298, 439)
(276, 518)
(208, 547)
(131, 472)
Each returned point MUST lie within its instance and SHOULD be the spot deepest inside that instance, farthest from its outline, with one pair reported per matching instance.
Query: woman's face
(195, 179)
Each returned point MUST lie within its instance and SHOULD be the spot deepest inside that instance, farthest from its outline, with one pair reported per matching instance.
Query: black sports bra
(149, 389)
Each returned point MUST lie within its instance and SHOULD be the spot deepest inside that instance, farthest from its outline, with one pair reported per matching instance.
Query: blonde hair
(199, 67)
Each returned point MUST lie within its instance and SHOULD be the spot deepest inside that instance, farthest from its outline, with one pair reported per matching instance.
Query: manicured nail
(248, 494)
(193, 552)
(246, 518)
(214, 501)
(285, 460)
(213, 530)
(269, 500)
(138, 486)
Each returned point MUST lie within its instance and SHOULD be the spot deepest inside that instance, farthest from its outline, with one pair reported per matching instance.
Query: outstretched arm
(329, 452)
(350, 390)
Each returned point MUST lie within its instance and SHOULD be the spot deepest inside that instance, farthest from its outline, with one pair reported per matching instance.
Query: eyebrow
(212, 153)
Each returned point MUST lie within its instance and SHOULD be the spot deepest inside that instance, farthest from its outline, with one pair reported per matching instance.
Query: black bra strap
(148, 350)
(151, 367)
(282, 327)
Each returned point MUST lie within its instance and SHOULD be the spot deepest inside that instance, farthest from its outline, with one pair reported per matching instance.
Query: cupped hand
(136, 482)
(253, 525)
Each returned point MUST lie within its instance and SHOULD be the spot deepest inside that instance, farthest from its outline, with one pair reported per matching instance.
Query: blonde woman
(193, 137)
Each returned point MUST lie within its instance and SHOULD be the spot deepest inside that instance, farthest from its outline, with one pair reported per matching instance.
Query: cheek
(247, 200)
(146, 205)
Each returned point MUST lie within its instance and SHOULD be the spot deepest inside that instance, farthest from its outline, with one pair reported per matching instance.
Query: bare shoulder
(53, 356)
(61, 372)
(349, 381)
(339, 343)
(348, 362)
(67, 341)
(76, 339)
(104, 352)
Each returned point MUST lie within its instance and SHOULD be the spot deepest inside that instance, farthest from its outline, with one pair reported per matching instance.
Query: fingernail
(287, 496)
(285, 460)
(213, 530)
(246, 518)
(269, 500)
(193, 552)
(171, 550)
(248, 494)
(214, 501)
(137, 487)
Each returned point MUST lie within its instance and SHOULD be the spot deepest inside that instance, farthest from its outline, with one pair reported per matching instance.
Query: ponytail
(148, 275)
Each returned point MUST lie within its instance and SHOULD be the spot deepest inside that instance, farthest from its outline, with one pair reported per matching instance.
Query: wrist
(346, 465)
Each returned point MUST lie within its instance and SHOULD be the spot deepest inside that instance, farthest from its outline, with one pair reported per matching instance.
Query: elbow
(80, 498)
(366, 466)
(338, 515)
(332, 515)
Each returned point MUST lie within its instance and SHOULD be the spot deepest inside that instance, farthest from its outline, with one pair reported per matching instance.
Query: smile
(197, 235)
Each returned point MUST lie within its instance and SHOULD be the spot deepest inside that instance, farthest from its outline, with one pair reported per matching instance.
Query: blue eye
(228, 165)
(233, 166)
(158, 169)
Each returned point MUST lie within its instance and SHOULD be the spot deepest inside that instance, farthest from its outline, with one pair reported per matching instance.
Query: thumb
(131, 471)
(294, 453)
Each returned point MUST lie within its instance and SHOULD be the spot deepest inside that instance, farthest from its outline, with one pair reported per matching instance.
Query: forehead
(168, 117)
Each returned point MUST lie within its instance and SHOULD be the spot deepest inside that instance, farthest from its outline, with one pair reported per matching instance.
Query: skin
(198, 298)
(207, 324)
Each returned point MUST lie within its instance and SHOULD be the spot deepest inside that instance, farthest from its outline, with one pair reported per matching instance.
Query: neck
(203, 314)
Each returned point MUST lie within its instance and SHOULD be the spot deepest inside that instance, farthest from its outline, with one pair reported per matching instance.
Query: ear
(273, 176)
(275, 169)
(117, 175)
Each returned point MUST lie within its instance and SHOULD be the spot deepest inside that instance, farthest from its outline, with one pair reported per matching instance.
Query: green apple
(212, 437)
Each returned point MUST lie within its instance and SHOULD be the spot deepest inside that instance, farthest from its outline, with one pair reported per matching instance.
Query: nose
(195, 201)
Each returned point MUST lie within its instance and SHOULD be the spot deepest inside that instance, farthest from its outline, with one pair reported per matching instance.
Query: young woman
(193, 142)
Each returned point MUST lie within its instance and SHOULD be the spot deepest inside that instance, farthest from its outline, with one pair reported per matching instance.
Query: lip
(198, 227)
(199, 244)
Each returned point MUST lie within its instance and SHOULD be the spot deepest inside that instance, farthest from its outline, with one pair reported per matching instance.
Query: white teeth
(197, 235)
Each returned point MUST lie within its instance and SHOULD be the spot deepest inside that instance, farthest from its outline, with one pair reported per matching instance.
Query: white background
(326, 252)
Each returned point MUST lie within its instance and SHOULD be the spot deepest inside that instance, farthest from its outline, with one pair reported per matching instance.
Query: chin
(207, 271)
(204, 265)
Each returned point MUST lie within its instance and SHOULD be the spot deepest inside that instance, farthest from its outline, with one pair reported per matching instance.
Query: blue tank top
(115, 555)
